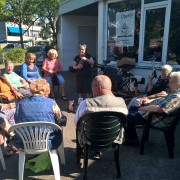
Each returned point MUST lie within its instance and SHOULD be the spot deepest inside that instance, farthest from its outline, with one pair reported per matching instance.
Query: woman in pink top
(52, 66)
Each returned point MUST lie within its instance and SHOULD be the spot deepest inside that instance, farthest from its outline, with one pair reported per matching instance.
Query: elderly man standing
(103, 100)
(165, 104)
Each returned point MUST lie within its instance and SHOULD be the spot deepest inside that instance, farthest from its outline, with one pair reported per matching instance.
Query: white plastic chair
(35, 137)
(2, 159)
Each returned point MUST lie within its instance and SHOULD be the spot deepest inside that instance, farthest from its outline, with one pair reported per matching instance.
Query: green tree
(19, 12)
(47, 10)
(2, 4)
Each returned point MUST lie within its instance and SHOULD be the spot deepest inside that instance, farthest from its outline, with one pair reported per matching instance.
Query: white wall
(68, 46)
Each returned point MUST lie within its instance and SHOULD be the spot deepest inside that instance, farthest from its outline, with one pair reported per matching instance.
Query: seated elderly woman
(6, 112)
(29, 70)
(15, 80)
(37, 108)
(7, 92)
(52, 66)
(162, 82)
(166, 104)
(159, 89)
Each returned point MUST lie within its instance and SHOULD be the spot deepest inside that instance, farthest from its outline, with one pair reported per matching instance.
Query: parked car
(40, 51)
(11, 46)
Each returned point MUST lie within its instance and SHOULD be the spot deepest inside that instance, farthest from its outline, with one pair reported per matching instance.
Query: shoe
(52, 96)
(81, 155)
(97, 155)
(7, 152)
(131, 142)
(10, 147)
(64, 98)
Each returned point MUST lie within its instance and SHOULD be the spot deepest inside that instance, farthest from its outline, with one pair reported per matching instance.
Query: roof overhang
(79, 7)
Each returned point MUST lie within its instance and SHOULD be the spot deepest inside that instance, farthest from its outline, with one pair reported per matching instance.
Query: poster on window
(125, 23)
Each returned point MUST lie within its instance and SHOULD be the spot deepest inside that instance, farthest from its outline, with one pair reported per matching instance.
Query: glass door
(154, 33)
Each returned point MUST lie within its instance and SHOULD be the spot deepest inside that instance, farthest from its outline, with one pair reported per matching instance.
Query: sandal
(10, 147)
(64, 98)
(7, 152)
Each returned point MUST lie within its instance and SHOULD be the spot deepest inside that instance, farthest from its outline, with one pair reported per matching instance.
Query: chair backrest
(100, 129)
(166, 121)
(35, 135)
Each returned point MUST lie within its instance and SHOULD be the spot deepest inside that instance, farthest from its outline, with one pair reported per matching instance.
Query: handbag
(63, 120)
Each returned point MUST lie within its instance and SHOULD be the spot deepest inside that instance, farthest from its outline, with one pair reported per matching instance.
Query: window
(123, 28)
(174, 34)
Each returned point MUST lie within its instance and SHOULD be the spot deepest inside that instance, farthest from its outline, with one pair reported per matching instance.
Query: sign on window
(125, 24)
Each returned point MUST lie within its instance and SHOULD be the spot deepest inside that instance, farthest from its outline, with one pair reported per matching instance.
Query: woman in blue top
(38, 107)
(29, 70)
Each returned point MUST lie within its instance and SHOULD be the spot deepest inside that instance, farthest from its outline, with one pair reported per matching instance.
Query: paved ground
(154, 165)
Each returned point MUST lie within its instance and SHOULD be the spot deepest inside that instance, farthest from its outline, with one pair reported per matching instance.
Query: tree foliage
(2, 4)
(27, 12)
(48, 10)
(19, 12)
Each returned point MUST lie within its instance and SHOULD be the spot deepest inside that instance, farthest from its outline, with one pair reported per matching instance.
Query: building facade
(9, 33)
(145, 31)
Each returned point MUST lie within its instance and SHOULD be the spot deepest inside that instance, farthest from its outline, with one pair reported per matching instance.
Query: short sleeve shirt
(50, 66)
(86, 70)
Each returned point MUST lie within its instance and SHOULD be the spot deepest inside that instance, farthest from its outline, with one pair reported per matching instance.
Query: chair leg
(61, 153)
(21, 164)
(142, 143)
(169, 136)
(116, 158)
(86, 154)
(2, 159)
(55, 163)
(77, 148)
(145, 136)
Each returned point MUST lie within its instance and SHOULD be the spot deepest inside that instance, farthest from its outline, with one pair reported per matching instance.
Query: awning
(15, 30)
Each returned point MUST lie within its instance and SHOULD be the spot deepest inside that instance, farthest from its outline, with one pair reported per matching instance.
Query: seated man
(103, 100)
(159, 89)
(165, 104)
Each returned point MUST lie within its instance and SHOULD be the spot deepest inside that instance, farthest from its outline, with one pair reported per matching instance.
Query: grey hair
(167, 67)
(83, 45)
(176, 77)
(9, 62)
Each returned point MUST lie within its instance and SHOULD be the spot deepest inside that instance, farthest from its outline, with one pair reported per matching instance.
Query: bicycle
(120, 77)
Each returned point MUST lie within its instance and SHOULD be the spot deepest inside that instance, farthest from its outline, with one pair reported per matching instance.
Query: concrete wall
(68, 48)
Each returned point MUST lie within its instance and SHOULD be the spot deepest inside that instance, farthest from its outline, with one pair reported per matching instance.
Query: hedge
(15, 55)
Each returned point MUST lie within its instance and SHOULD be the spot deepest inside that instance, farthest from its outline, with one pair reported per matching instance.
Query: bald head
(101, 85)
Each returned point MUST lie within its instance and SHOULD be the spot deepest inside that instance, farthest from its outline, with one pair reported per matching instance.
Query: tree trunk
(21, 35)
